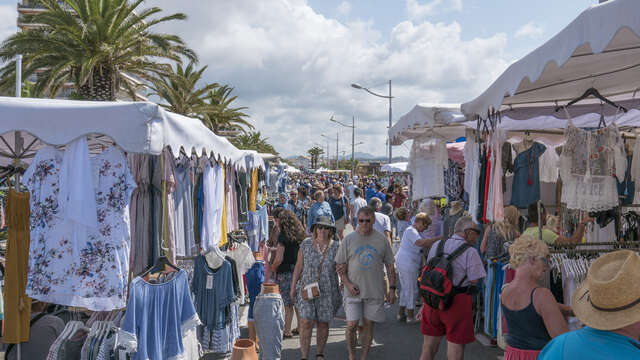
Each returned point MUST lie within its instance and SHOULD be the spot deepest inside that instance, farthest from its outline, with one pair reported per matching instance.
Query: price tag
(209, 282)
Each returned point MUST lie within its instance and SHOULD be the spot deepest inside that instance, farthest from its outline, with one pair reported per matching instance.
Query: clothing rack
(589, 251)
(619, 243)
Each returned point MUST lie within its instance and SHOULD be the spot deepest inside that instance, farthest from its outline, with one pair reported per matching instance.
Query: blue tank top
(525, 328)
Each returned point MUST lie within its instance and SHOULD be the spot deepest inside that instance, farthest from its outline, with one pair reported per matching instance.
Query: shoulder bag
(312, 291)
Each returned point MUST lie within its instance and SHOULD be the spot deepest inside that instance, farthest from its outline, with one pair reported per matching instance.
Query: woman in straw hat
(608, 303)
(316, 263)
(532, 313)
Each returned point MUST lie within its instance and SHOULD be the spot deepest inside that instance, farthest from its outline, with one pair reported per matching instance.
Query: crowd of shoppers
(357, 272)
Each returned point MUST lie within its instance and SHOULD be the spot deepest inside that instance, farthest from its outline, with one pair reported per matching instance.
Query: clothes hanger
(160, 266)
(595, 93)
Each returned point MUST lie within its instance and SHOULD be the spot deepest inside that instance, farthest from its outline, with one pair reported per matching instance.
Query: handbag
(271, 254)
(312, 291)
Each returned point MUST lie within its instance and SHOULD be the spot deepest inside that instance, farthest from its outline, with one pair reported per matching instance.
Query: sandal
(295, 331)
(287, 336)
(320, 356)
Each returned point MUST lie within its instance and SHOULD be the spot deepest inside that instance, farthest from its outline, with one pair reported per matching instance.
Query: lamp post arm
(338, 122)
(378, 95)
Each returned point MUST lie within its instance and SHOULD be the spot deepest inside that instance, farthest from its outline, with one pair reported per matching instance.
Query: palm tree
(224, 117)
(99, 45)
(253, 140)
(182, 91)
(315, 153)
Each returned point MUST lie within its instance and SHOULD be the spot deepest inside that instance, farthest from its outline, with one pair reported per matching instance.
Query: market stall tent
(600, 49)
(136, 127)
(252, 159)
(399, 167)
(424, 116)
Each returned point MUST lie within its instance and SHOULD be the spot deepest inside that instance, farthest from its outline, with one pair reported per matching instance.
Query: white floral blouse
(96, 278)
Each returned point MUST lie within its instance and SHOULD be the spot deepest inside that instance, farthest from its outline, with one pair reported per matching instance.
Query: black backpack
(436, 279)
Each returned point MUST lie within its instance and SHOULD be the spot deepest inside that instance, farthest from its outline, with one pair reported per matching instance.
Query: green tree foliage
(253, 140)
(183, 91)
(99, 45)
(222, 116)
(315, 153)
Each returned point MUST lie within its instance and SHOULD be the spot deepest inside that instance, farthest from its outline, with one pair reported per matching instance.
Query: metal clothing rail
(617, 243)
(589, 251)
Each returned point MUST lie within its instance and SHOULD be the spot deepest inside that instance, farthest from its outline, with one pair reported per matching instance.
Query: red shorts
(456, 322)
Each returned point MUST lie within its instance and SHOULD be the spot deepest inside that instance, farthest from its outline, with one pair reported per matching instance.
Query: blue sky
(291, 61)
(477, 17)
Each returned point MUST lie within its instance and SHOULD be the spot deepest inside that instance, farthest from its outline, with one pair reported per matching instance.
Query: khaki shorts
(341, 223)
(372, 309)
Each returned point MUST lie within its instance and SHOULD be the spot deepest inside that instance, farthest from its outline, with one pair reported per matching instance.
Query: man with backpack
(446, 286)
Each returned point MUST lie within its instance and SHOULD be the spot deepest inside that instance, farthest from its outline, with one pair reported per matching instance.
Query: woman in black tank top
(290, 234)
(533, 316)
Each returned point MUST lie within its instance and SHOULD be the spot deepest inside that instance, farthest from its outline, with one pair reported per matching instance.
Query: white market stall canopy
(291, 170)
(252, 159)
(600, 49)
(399, 167)
(136, 127)
(424, 116)
(268, 157)
(534, 118)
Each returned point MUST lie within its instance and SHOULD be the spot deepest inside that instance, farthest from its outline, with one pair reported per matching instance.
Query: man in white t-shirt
(383, 222)
(351, 188)
(357, 203)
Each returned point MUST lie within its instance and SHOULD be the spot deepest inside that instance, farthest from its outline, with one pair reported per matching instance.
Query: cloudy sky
(291, 61)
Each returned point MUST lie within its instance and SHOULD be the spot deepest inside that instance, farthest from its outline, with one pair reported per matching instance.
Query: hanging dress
(526, 178)
(91, 272)
(17, 305)
(427, 161)
(589, 165)
(472, 174)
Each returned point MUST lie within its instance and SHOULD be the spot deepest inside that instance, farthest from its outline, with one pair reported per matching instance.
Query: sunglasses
(364, 220)
(323, 227)
(544, 259)
(474, 230)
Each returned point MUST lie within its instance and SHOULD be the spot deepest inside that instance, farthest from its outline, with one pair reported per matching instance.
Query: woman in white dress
(408, 261)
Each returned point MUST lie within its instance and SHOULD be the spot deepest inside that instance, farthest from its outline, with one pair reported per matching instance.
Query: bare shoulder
(543, 299)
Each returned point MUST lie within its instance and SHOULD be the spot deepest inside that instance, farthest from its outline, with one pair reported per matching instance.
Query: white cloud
(530, 30)
(292, 67)
(344, 8)
(8, 16)
(456, 5)
(417, 11)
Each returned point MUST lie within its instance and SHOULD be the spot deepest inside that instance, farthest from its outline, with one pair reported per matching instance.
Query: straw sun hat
(609, 299)
(324, 220)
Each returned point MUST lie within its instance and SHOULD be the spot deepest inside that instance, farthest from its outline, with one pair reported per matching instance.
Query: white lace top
(427, 161)
(589, 163)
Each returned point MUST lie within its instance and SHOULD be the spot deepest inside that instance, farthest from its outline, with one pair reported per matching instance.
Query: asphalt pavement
(392, 340)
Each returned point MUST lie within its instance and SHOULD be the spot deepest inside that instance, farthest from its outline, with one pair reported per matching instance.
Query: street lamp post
(330, 139)
(353, 138)
(356, 86)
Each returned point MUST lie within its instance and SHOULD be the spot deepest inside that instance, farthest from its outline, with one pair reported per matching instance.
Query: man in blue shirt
(379, 194)
(369, 193)
(608, 303)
